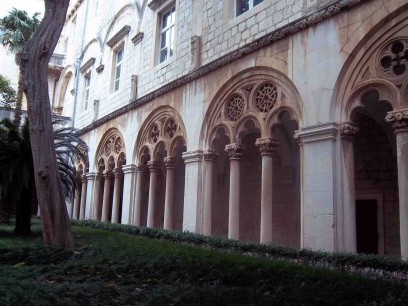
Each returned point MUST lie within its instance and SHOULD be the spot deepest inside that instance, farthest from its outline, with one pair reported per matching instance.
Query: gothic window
(241, 6)
(167, 22)
(118, 69)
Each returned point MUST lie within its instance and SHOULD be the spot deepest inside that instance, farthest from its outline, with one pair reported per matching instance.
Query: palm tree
(17, 183)
(18, 27)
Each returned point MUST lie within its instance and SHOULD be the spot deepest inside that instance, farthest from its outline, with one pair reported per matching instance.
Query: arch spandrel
(370, 67)
(163, 126)
(255, 93)
(110, 148)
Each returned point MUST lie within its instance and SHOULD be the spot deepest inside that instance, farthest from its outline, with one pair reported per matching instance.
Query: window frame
(250, 6)
(87, 90)
(171, 27)
(116, 79)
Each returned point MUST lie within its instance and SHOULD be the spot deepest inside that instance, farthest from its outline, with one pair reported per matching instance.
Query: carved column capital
(267, 146)
(398, 120)
(210, 155)
(117, 172)
(153, 165)
(140, 168)
(99, 176)
(107, 174)
(234, 150)
(170, 162)
(83, 178)
(348, 130)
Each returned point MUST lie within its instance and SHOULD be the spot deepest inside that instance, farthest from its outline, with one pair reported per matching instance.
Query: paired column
(234, 152)
(90, 195)
(210, 157)
(106, 196)
(154, 168)
(137, 213)
(399, 121)
(267, 147)
(348, 131)
(98, 196)
(117, 194)
(169, 200)
(83, 198)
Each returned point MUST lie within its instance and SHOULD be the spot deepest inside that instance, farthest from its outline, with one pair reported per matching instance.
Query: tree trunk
(19, 98)
(34, 65)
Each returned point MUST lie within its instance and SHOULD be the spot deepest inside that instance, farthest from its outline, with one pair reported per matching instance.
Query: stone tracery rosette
(393, 59)
(111, 150)
(162, 130)
(265, 97)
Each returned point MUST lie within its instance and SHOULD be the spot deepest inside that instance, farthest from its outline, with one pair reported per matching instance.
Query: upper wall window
(167, 34)
(118, 69)
(87, 86)
(241, 6)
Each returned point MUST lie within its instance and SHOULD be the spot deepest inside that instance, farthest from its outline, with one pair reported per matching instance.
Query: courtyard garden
(124, 265)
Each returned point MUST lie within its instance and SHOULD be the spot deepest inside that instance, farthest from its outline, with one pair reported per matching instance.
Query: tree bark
(20, 90)
(34, 64)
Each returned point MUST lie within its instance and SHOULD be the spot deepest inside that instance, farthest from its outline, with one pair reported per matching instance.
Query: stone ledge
(118, 36)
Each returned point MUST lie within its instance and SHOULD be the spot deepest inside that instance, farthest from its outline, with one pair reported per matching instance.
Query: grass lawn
(110, 268)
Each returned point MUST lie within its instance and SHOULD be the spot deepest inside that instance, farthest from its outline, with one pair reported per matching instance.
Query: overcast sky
(31, 6)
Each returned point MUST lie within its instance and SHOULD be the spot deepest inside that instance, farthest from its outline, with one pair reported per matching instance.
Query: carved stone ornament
(170, 162)
(171, 128)
(154, 133)
(153, 165)
(267, 146)
(394, 59)
(210, 155)
(234, 150)
(140, 168)
(83, 179)
(348, 130)
(265, 97)
(235, 107)
(398, 120)
(117, 173)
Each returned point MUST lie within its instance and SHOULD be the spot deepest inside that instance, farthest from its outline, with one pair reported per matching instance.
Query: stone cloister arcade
(262, 171)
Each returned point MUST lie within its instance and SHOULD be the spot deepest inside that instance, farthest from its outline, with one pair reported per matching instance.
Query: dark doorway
(367, 227)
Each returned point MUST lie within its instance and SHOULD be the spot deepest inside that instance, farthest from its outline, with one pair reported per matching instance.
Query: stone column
(192, 191)
(77, 201)
(90, 195)
(137, 217)
(210, 157)
(128, 193)
(267, 147)
(117, 194)
(107, 196)
(153, 168)
(169, 200)
(83, 198)
(348, 131)
(98, 196)
(235, 152)
(318, 163)
(399, 121)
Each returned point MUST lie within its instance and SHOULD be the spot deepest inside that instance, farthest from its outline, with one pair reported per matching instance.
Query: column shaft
(83, 198)
(98, 197)
(77, 200)
(169, 199)
(153, 167)
(117, 195)
(209, 157)
(234, 152)
(107, 197)
(137, 217)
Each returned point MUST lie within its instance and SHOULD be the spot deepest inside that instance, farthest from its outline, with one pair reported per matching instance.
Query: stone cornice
(118, 36)
(87, 65)
(74, 9)
(290, 29)
(317, 132)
